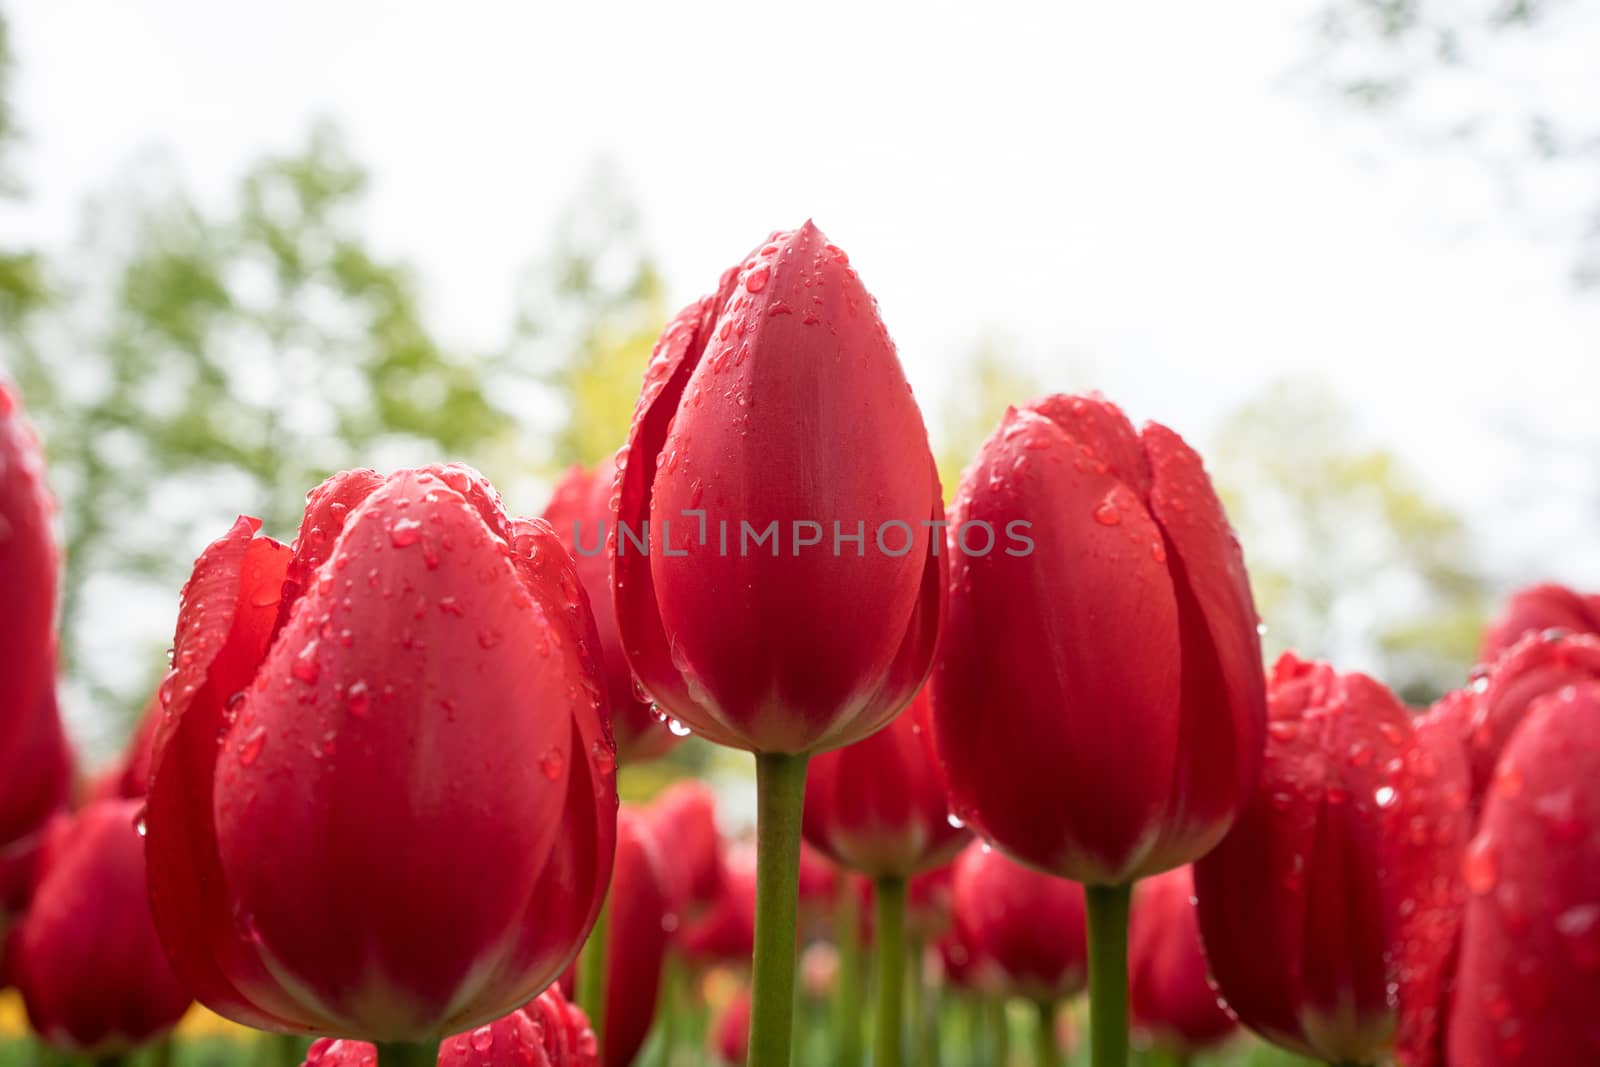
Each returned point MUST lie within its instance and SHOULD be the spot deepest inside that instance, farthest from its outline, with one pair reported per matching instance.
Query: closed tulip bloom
(683, 821)
(37, 773)
(636, 940)
(129, 776)
(725, 933)
(1328, 912)
(383, 801)
(1025, 928)
(1528, 979)
(88, 963)
(547, 1032)
(1546, 606)
(878, 806)
(28, 574)
(779, 402)
(1488, 712)
(580, 512)
(1172, 1003)
(730, 1030)
(1098, 700)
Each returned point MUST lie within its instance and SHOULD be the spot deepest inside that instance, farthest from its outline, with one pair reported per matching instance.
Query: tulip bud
(1098, 701)
(878, 806)
(636, 939)
(1024, 929)
(546, 1032)
(28, 574)
(88, 962)
(1536, 609)
(791, 591)
(1528, 979)
(1329, 910)
(129, 776)
(1485, 715)
(1172, 1003)
(580, 512)
(383, 800)
(683, 821)
(37, 775)
(725, 933)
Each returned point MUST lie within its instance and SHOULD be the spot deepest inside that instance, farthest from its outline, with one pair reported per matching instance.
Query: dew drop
(305, 667)
(553, 763)
(482, 1039)
(677, 728)
(1385, 796)
(405, 532)
(756, 280)
(358, 699)
(1106, 513)
(955, 821)
(250, 748)
(1480, 867)
(605, 760)
(1283, 729)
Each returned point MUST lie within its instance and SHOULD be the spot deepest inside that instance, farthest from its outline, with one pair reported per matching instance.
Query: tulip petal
(1218, 754)
(225, 623)
(347, 759)
(1056, 698)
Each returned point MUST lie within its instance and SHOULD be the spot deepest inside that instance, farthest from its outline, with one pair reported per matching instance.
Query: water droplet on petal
(482, 1039)
(553, 763)
(405, 532)
(250, 747)
(1480, 867)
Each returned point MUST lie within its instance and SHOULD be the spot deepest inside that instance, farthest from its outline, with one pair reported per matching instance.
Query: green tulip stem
(780, 796)
(1108, 973)
(408, 1055)
(1044, 1035)
(999, 1027)
(889, 942)
(848, 1050)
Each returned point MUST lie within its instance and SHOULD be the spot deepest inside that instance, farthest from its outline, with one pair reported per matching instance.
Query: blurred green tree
(1500, 82)
(210, 363)
(1351, 560)
(22, 288)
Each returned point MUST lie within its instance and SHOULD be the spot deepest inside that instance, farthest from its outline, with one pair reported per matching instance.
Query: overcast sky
(1139, 187)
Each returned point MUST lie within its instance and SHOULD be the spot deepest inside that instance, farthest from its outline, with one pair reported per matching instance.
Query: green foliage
(227, 361)
(587, 319)
(1348, 554)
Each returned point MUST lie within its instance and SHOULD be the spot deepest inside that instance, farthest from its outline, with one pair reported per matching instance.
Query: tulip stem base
(592, 975)
(780, 796)
(1045, 1052)
(1108, 973)
(889, 943)
(999, 1027)
(408, 1055)
(848, 1050)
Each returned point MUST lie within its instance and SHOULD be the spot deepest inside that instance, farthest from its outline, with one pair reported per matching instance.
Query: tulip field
(1026, 791)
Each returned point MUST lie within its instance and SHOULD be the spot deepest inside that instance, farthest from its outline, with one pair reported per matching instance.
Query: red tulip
(1025, 929)
(636, 939)
(547, 1032)
(1098, 700)
(28, 571)
(88, 962)
(683, 820)
(1538, 608)
(1171, 1001)
(1486, 715)
(1329, 910)
(383, 802)
(878, 806)
(129, 776)
(730, 1031)
(818, 885)
(726, 932)
(777, 408)
(580, 511)
(1528, 979)
(35, 761)
(37, 774)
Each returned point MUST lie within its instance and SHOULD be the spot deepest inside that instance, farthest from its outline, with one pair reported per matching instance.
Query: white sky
(1131, 185)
